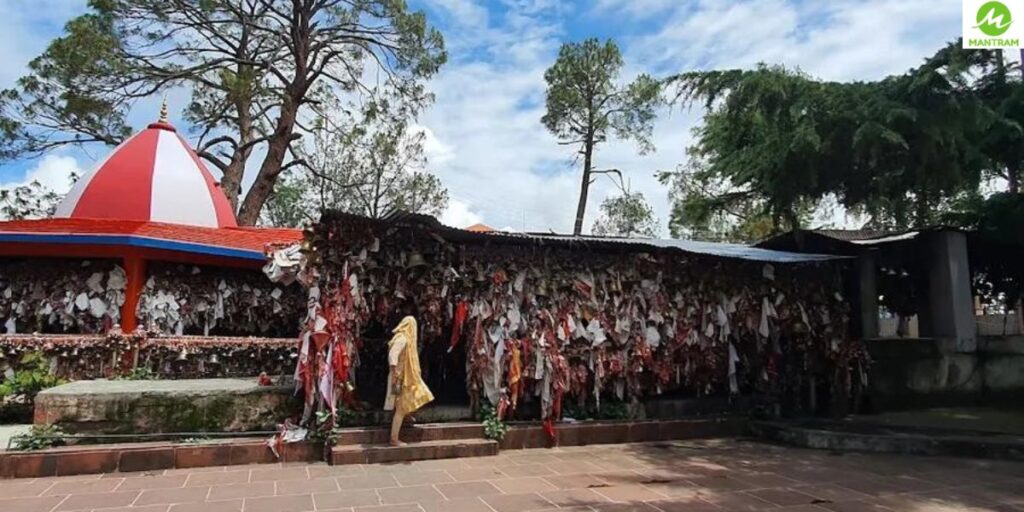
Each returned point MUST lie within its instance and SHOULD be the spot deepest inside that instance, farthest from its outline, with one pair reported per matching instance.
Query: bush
(17, 392)
(40, 437)
(494, 428)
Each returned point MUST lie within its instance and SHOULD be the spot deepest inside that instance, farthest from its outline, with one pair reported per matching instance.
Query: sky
(484, 137)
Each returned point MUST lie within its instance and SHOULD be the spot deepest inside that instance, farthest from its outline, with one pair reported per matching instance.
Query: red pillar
(135, 270)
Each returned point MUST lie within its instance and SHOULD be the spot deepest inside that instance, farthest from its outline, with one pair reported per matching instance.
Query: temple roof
(153, 176)
(232, 242)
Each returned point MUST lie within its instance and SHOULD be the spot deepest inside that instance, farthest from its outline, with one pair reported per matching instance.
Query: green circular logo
(994, 18)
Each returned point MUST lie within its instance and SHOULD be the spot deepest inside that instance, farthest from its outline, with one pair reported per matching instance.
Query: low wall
(918, 373)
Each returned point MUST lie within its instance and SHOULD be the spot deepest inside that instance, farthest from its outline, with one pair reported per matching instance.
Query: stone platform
(155, 406)
(842, 437)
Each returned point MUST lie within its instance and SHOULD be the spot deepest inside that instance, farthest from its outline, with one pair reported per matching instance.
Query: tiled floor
(663, 477)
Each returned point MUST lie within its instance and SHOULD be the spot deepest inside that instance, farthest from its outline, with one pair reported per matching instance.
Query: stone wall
(202, 405)
(922, 372)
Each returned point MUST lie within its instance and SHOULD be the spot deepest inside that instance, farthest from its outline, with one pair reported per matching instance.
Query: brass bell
(183, 355)
(415, 260)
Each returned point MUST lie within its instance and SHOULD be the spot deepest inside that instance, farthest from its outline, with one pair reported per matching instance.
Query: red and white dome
(153, 176)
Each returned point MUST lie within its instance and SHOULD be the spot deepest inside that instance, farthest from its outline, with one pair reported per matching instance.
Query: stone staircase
(368, 445)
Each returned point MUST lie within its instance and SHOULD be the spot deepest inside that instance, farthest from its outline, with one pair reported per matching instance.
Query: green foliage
(704, 208)
(369, 162)
(325, 430)
(494, 428)
(289, 207)
(775, 143)
(996, 246)
(585, 104)
(627, 215)
(32, 376)
(32, 201)
(65, 98)
(39, 438)
(583, 98)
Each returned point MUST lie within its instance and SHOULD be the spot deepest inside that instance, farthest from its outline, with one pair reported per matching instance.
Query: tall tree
(256, 68)
(705, 207)
(989, 76)
(371, 163)
(899, 149)
(325, 46)
(585, 104)
(627, 215)
(81, 88)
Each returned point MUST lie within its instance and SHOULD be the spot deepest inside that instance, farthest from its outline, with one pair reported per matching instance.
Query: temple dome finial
(163, 110)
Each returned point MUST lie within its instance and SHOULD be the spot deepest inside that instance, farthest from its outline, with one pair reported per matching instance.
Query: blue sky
(484, 137)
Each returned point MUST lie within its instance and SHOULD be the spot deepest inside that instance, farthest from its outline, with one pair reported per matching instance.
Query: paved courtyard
(668, 477)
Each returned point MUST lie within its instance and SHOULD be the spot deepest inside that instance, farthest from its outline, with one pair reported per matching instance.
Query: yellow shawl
(412, 392)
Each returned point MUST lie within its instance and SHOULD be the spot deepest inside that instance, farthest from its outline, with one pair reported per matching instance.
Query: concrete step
(427, 450)
(412, 434)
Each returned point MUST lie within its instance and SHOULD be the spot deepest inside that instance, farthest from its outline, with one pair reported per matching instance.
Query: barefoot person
(406, 390)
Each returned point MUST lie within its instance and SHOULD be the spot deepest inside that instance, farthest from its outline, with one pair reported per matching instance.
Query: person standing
(406, 390)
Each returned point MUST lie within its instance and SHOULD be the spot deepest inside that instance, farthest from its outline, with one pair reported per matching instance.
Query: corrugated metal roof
(850, 235)
(723, 250)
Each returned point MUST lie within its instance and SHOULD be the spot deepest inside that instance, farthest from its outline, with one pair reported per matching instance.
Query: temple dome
(153, 176)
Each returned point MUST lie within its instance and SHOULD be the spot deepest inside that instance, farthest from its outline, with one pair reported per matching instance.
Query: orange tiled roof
(480, 228)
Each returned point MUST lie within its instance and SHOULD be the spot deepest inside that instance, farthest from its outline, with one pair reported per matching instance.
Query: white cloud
(27, 26)
(490, 96)
(459, 215)
(51, 171)
(483, 135)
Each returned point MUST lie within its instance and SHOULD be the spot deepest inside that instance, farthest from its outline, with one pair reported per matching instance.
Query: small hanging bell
(214, 359)
(183, 355)
(415, 260)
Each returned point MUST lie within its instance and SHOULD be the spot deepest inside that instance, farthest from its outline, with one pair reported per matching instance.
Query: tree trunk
(581, 209)
(277, 149)
(231, 183)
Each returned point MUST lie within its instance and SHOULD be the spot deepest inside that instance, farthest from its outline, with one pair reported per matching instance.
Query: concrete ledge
(993, 446)
(79, 460)
(154, 406)
(413, 434)
(429, 450)
(583, 433)
(356, 446)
